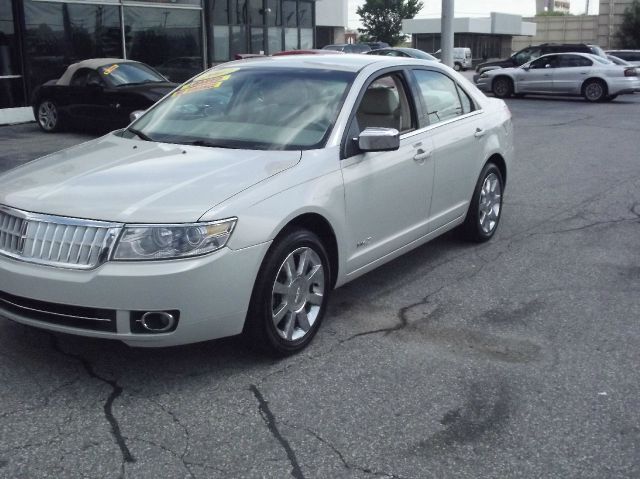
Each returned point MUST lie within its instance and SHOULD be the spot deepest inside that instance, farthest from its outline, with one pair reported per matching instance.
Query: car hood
(131, 181)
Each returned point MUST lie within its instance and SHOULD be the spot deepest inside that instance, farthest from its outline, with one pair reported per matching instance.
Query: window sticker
(107, 71)
(206, 81)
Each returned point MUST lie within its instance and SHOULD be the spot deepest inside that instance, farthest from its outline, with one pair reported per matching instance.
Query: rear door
(453, 124)
(570, 73)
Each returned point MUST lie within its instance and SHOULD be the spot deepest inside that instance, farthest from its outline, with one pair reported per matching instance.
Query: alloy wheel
(48, 115)
(490, 203)
(297, 294)
(594, 91)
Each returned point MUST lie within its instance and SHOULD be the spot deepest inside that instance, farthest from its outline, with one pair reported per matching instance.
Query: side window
(93, 78)
(79, 78)
(439, 95)
(545, 62)
(467, 103)
(385, 104)
(573, 61)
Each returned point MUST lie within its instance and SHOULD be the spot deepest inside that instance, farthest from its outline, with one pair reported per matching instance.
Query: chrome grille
(55, 240)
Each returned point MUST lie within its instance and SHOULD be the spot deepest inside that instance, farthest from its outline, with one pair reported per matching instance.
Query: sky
(479, 8)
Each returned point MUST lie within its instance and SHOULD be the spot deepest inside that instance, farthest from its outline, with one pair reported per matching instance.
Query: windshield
(120, 74)
(249, 108)
(526, 55)
(596, 50)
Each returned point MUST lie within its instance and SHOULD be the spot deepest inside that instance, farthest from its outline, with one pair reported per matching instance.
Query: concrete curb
(13, 116)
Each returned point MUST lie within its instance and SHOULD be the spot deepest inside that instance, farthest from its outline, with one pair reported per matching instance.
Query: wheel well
(321, 227)
(506, 77)
(600, 80)
(502, 166)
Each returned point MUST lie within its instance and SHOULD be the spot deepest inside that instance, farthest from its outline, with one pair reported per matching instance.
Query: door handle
(479, 133)
(421, 156)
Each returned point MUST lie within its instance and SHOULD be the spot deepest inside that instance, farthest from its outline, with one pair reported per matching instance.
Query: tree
(382, 19)
(629, 32)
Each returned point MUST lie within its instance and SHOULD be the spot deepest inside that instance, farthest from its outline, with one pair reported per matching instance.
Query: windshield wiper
(140, 135)
(144, 82)
(206, 143)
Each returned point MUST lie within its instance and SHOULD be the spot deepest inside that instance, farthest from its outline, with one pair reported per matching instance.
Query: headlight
(484, 75)
(149, 242)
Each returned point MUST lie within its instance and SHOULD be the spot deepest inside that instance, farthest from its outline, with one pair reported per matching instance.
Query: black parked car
(531, 53)
(99, 93)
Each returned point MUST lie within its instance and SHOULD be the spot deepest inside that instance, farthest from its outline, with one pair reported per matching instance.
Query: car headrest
(379, 101)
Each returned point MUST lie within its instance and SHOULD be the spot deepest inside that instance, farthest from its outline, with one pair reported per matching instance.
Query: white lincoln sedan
(239, 201)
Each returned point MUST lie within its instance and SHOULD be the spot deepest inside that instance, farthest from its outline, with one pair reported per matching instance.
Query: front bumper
(483, 84)
(210, 292)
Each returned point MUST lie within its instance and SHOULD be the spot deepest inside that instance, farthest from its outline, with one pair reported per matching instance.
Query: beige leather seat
(380, 107)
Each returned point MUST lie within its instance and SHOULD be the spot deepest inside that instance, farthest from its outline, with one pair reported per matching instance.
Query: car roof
(343, 62)
(92, 63)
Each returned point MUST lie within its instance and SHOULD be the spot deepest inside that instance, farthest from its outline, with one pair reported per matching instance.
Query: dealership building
(40, 38)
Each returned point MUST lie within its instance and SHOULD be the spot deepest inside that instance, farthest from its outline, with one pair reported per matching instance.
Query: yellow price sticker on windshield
(107, 71)
(206, 81)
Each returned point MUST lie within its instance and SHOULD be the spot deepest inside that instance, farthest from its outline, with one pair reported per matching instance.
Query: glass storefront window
(9, 60)
(219, 12)
(220, 44)
(257, 40)
(170, 2)
(306, 38)
(305, 14)
(256, 12)
(274, 40)
(58, 34)
(168, 39)
(238, 12)
(238, 40)
(290, 38)
(289, 13)
(274, 13)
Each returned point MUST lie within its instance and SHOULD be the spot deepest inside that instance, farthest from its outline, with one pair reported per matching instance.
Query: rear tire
(485, 209)
(290, 295)
(594, 91)
(48, 116)
(502, 87)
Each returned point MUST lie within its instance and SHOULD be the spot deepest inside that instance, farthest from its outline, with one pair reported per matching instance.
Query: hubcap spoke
(303, 321)
(279, 288)
(289, 326)
(315, 298)
(277, 317)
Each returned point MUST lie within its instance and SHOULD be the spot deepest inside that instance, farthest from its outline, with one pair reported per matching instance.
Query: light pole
(446, 29)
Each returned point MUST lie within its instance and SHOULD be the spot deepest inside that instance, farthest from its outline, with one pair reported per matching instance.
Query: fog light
(153, 322)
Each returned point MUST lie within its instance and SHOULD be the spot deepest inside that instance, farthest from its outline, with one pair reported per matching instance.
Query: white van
(461, 58)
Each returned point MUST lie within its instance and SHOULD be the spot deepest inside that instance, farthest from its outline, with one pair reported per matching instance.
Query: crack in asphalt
(270, 421)
(345, 463)
(116, 391)
(187, 446)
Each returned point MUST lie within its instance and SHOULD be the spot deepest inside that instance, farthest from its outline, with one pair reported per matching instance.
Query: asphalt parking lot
(516, 358)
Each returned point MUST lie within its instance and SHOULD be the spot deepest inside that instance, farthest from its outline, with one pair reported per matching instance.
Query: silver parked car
(578, 74)
(240, 200)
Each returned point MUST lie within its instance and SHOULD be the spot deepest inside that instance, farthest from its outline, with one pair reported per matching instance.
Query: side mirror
(548, 65)
(527, 68)
(134, 115)
(379, 139)
(95, 86)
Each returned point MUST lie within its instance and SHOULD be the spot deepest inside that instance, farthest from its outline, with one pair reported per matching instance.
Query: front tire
(457, 67)
(290, 294)
(594, 91)
(502, 87)
(485, 209)
(48, 116)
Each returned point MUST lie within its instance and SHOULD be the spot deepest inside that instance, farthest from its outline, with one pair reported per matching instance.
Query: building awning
(496, 24)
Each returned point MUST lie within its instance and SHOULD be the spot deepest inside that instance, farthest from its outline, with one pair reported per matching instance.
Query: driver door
(538, 78)
(387, 193)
